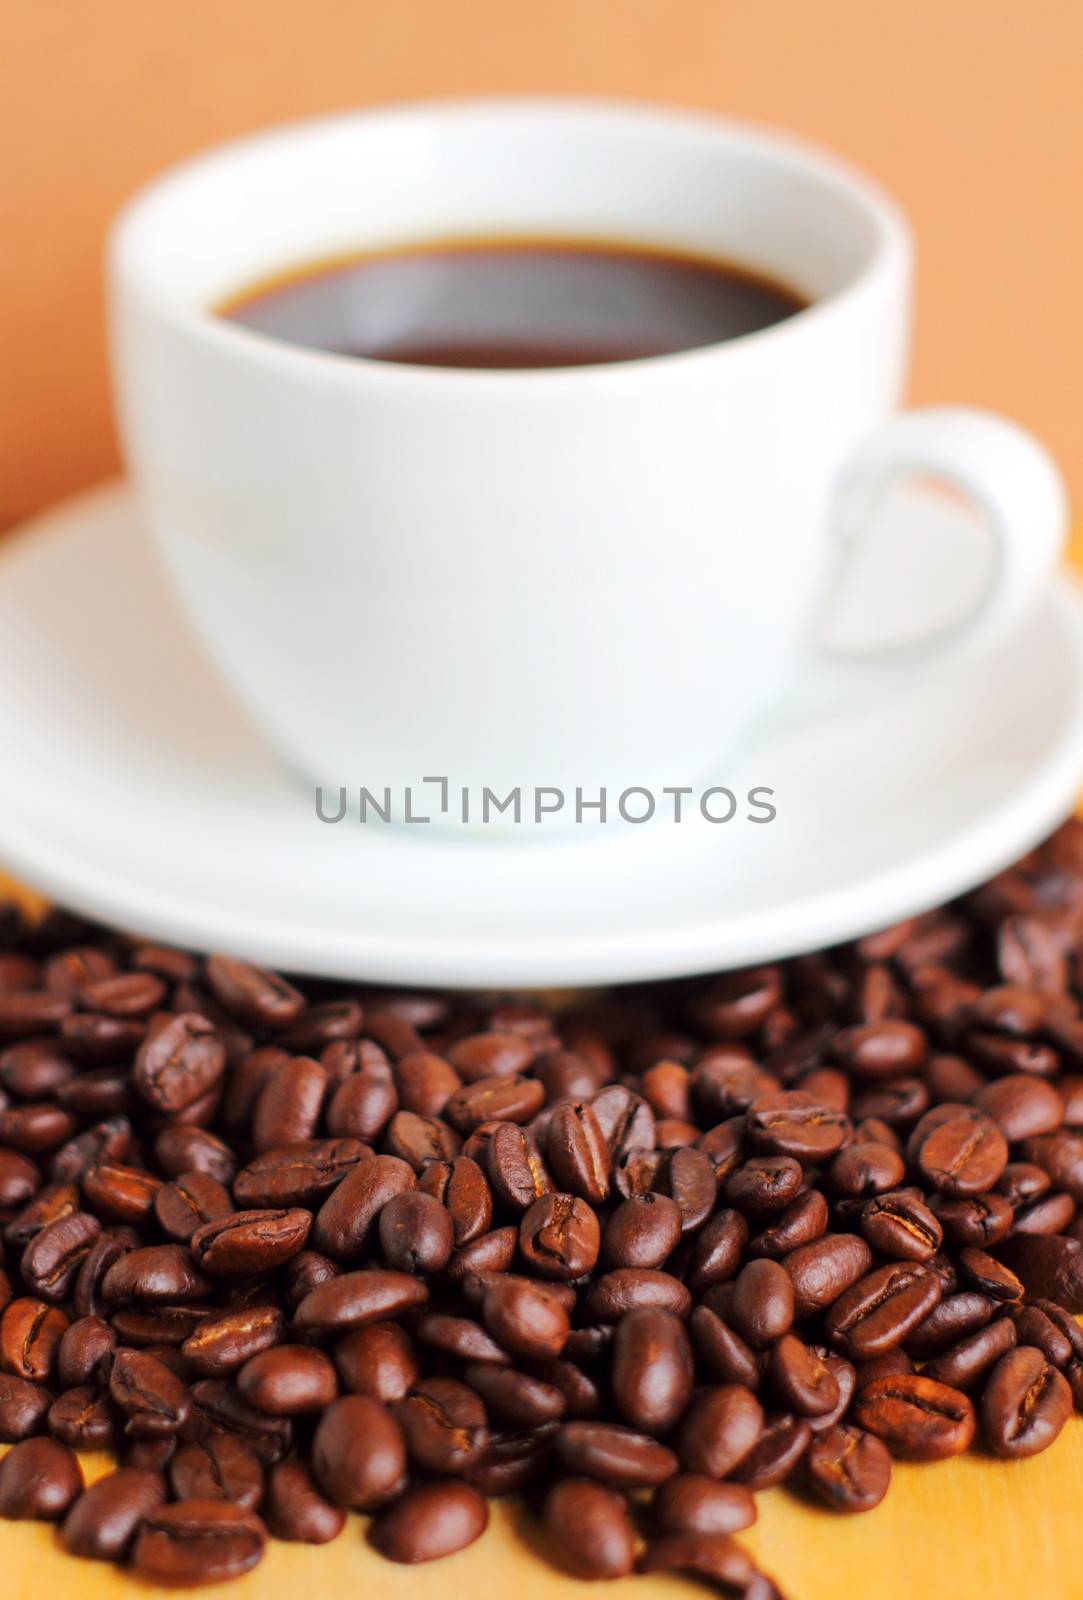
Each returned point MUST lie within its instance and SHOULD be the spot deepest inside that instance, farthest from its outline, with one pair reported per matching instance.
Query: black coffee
(514, 303)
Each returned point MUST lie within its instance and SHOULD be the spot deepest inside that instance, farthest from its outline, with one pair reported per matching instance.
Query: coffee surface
(514, 304)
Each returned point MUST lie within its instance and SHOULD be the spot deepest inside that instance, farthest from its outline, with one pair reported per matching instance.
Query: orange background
(970, 110)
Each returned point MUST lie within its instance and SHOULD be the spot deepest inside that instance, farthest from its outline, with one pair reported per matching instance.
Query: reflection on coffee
(514, 303)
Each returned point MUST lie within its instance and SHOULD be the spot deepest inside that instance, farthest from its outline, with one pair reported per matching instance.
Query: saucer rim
(928, 878)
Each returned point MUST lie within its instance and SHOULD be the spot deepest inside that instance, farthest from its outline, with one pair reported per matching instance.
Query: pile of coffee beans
(291, 1251)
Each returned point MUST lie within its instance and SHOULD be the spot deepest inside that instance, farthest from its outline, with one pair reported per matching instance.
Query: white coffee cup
(599, 576)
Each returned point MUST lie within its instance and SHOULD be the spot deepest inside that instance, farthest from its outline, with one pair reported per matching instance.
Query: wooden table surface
(969, 1529)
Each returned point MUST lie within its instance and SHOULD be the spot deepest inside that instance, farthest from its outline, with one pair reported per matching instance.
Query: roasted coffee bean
(180, 1150)
(52, 1259)
(24, 1013)
(821, 1271)
(652, 1369)
(81, 1418)
(462, 1187)
(526, 1319)
(795, 1124)
(513, 1460)
(776, 1453)
(848, 1468)
(802, 1380)
(39, 1480)
(1025, 1403)
(120, 1194)
(490, 1252)
(425, 1083)
(189, 1203)
(20, 1180)
(1050, 1268)
(590, 1529)
(445, 1425)
(222, 1467)
(198, 1541)
(36, 1129)
(248, 1242)
(881, 1049)
(346, 1221)
(916, 1417)
(644, 1231)
(103, 1521)
(1032, 1326)
(379, 1361)
(490, 1055)
(723, 1353)
(298, 1174)
(865, 1169)
(358, 1453)
(152, 1398)
(361, 1106)
(692, 1503)
(256, 998)
(355, 1298)
(22, 1407)
(516, 1399)
(880, 1310)
(615, 1455)
(963, 1365)
(989, 1275)
(430, 1521)
(288, 1107)
(958, 1149)
(982, 1219)
(560, 1237)
(764, 1185)
(1021, 1105)
(626, 1288)
(716, 1249)
(901, 1226)
(459, 1336)
(52, 1201)
(288, 1379)
(178, 1062)
(762, 1305)
(218, 1406)
(221, 1344)
(125, 995)
(30, 1335)
(296, 1510)
(689, 1179)
(803, 1221)
(158, 1274)
(954, 1318)
(711, 1556)
(720, 1429)
(578, 1153)
(517, 1173)
(108, 1247)
(416, 1233)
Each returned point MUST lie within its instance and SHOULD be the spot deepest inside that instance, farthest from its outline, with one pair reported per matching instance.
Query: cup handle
(1013, 482)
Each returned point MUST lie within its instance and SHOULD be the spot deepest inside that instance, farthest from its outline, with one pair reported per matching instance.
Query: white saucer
(132, 789)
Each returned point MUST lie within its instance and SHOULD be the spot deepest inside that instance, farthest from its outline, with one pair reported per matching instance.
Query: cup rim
(889, 259)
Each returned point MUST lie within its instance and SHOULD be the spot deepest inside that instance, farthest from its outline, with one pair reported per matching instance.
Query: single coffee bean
(876, 1313)
(721, 1427)
(801, 1379)
(958, 1149)
(103, 1521)
(692, 1503)
(179, 1150)
(223, 1343)
(1051, 1268)
(916, 1417)
(560, 1237)
(39, 1480)
(578, 1154)
(490, 1252)
(763, 1185)
(297, 1174)
(248, 1242)
(762, 1306)
(463, 1188)
(355, 1298)
(416, 1233)
(490, 1055)
(795, 1124)
(723, 1352)
(179, 1062)
(30, 1335)
(198, 1541)
(776, 1453)
(1025, 1403)
(954, 1318)
(51, 1261)
(222, 1467)
(379, 1361)
(445, 1425)
(716, 1250)
(430, 1521)
(358, 1453)
(848, 1468)
(963, 1365)
(1021, 1105)
(296, 1510)
(615, 1293)
(711, 1556)
(152, 1398)
(1032, 1326)
(652, 1369)
(515, 1399)
(821, 1271)
(525, 1318)
(288, 1108)
(23, 1406)
(288, 1380)
(590, 1529)
(461, 1337)
(81, 1417)
(615, 1455)
(217, 1406)
(19, 1180)
(156, 1274)
(257, 998)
